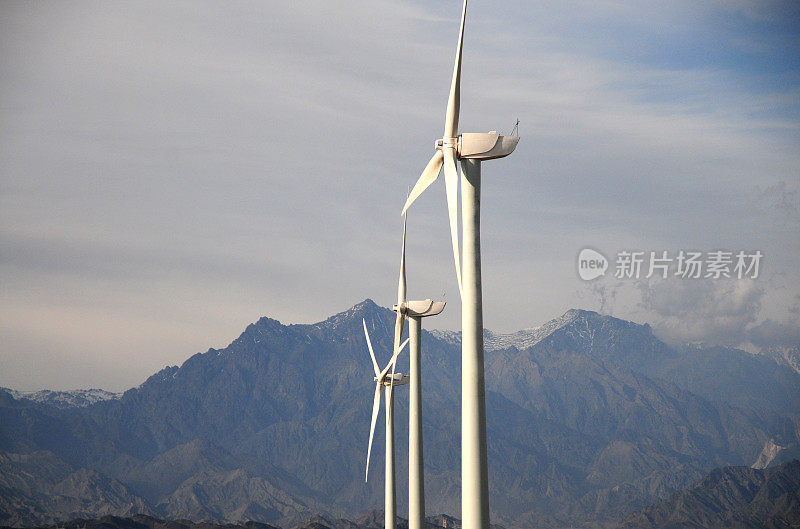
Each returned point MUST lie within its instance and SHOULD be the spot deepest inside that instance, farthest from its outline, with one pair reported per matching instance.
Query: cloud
(770, 333)
(606, 295)
(783, 333)
(709, 310)
(728, 312)
(712, 311)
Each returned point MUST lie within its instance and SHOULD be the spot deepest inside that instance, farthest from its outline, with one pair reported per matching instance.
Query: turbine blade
(389, 394)
(451, 185)
(428, 176)
(398, 330)
(401, 282)
(454, 101)
(401, 292)
(371, 352)
(394, 358)
(391, 386)
(376, 405)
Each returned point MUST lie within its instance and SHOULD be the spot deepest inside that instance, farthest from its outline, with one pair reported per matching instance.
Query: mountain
(733, 497)
(38, 487)
(76, 398)
(373, 520)
(590, 418)
(523, 339)
(789, 356)
(147, 522)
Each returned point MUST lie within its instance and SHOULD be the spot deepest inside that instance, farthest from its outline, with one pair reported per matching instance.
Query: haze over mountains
(590, 419)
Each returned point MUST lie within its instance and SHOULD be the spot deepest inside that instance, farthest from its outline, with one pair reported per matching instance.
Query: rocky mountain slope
(591, 419)
(141, 521)
(789, 356)
(372, 520)
(733, 497)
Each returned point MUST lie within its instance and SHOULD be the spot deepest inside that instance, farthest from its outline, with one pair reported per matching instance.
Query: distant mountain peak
(366, 305)
(529, 337)
(367, 310)
(522, 339)
(75, 398)
(580, 319)
(575, 313)
(267, 322)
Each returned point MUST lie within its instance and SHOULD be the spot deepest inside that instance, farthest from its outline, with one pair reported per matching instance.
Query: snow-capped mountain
(789, 356)
(589, 418)
(75, 398)
(522, 339)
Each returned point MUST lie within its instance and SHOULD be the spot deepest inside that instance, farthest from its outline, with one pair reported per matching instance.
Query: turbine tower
(385, 379)
(471, 149)
(415, 311)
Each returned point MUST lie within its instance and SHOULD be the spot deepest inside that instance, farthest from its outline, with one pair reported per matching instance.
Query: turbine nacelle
(486, 146)
(397, 379)
(420, 309)
(480, 145)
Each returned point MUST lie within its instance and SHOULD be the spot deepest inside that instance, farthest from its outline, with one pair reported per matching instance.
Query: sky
(172, 171)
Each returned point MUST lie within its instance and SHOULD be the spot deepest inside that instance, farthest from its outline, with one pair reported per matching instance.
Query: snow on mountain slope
(76, 398)
(495, 341)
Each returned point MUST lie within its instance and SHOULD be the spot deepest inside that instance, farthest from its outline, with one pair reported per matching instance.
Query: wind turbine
(415, 311)
(383, 378)
(471, 149)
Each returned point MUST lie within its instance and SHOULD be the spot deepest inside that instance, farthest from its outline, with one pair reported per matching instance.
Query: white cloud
(711, 310)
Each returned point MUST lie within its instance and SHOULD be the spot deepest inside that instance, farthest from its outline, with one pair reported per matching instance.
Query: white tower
(415, 311)
(471, 149)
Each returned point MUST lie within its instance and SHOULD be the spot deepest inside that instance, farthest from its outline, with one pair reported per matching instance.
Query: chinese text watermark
(685, 264)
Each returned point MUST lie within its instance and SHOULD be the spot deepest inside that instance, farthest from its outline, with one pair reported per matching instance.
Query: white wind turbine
(415, 311)
(470, 148)
(385, 378)
(390, 497)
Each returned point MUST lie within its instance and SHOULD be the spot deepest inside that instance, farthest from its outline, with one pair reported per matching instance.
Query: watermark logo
(685, 264)
(591, 264)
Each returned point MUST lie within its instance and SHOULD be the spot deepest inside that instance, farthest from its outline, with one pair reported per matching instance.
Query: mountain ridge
(273, 427)
(731, 497)
(493, 341)
(73, 398)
